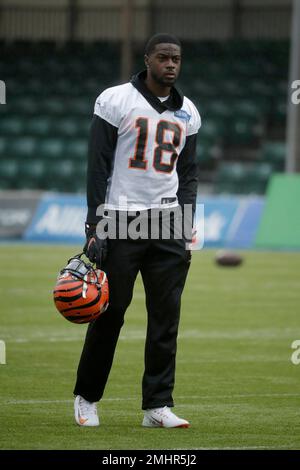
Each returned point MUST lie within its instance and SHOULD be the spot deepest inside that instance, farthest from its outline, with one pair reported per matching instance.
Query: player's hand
(95, 248)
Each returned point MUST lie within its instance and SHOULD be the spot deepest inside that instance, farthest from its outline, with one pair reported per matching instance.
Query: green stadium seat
(244, 131)
(63, 86)
(274, 153)
(54, 105)
(53, 68)
(232, 87)
(66, 127)
(84, 126)
(80, 169)
(11, 126)
(230, 178)
(212, 130)
(279, 114)
(246, 109)
(3, 147)
(200, 89)
(261, 88)
(8, 173)
(258, 178)
(32, 174)
(75, 67)
(76, 149)
(209, 131)
(51, 148)
(220, 109)
(239, 178)
(26, 105)
(62, 177)
(81, 107)
(207, 153)
(22, 148)
(40, 126)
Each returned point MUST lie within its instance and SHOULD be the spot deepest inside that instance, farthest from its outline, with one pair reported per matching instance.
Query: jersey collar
(173, 103)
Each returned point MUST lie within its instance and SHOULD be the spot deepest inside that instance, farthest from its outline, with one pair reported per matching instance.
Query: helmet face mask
(81, 292)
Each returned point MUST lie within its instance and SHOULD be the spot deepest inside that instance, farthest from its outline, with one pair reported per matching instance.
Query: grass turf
(235, 381)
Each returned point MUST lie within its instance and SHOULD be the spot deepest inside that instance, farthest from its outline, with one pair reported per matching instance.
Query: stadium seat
(39, 126)
(244, 131)
(241, 178)
(11, 126)
(76, 149)
(220, 109)
(84, 126)
(246, 108)
(27, 105)
(61, 177)
(258, 178)
(280, 110)
(54, 105)
(8, 173)
(82, 107)
(3, 147)
(274, 153)
(65, 127)
(212, 130)
(22, 148)
(51, 148)
(207, 153)
(31, 174)
(80, 176)
(230, 178)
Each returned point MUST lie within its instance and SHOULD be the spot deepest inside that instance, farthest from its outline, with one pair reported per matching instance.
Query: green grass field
(235, 381)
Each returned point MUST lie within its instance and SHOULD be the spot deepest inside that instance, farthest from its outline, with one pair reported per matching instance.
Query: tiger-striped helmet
(81, 292)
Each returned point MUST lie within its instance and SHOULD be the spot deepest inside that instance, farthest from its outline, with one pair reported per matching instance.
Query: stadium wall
(280, 224)
(102, 20)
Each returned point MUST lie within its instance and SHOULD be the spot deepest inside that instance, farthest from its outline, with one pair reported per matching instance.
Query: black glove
(95, 248)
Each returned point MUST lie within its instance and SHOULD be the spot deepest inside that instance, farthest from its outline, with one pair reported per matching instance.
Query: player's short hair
(160, 38)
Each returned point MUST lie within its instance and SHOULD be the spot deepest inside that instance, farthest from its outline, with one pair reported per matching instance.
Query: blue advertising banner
(59, 218)
(244, 226)
(229, 221)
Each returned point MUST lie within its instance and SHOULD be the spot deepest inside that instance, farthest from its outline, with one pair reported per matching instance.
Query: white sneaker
(85, 412)
(163, 418)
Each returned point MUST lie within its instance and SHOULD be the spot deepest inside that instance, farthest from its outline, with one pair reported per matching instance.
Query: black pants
(164, 266)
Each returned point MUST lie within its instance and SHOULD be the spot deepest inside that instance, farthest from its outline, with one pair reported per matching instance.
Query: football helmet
(81, 292)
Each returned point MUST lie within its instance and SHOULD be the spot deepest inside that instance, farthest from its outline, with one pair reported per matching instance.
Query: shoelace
(87, 408)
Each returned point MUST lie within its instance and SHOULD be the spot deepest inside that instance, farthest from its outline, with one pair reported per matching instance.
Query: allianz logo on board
(62, 220)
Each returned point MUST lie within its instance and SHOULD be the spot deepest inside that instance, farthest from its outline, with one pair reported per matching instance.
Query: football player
(141, 150)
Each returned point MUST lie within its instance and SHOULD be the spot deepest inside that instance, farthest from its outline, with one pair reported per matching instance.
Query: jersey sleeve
(194, 123)
(108, 108)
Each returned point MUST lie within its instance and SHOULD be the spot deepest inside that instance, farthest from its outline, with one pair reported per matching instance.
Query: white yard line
(255, 334)
(181, 397)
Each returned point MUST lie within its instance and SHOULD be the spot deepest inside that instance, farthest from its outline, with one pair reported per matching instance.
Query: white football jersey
(144, 172)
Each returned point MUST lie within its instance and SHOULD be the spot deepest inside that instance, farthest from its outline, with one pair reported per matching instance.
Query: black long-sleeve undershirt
(102, 144)
(188, 173)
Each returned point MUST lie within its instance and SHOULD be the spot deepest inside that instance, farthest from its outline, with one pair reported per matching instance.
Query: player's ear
(146, 60)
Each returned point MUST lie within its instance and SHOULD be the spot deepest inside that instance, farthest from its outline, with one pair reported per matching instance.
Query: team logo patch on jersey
(182, 115)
